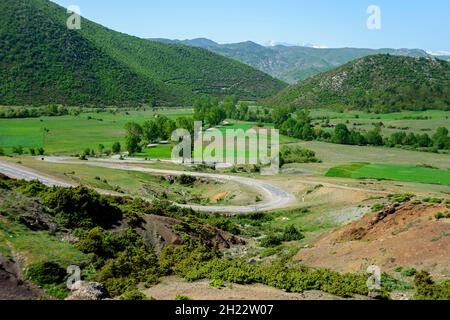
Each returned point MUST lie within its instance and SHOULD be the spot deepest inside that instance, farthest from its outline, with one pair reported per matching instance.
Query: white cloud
(273, 43)
(439, 53)
(316, 46)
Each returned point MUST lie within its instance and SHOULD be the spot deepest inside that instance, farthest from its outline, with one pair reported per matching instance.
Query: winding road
(275, 197)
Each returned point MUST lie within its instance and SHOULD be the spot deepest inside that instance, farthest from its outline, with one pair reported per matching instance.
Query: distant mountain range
(42, 61)
(380, 83)
(292, 63)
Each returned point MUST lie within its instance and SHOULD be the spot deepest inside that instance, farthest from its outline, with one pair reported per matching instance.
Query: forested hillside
(292, 63)
(42, 61)
(381, 83)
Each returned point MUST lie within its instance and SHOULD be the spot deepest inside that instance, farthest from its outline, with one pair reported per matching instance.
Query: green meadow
(165, 151)
(391, 172)
(73, 134)
(407, 121)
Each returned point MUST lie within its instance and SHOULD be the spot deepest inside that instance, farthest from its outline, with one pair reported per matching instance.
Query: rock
(82, 290)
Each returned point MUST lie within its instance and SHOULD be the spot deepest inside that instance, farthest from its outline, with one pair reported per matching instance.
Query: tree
(151, 131)
(396, 139)
(215, 116)
(410, 139)
(341, 134)
(116, 147)
(441, 139)
(374, 137)
(424, 140)
(165, 127)
(133, 129)
(133, 137)
(132, 144)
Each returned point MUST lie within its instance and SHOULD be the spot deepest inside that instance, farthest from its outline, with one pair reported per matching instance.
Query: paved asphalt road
(275, 197)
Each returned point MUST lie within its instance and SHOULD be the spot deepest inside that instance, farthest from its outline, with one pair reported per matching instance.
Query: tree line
(155, 130)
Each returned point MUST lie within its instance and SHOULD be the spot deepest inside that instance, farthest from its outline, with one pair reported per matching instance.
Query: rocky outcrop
(82, 290)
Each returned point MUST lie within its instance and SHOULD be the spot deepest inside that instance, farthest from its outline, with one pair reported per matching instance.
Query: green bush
(217, 283)
(409, 272)
(81, 207)
(427, 289)
(401, 197)
(378, 207)
(442, 215)
(279, 276)
(391, 284)
(134, 295)
(291, 233)
(433, 200)
(271, 240)
(297, 155)
(186, 180)
(46, 273)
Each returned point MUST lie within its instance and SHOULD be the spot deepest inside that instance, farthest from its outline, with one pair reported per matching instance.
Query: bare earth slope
(409, 237)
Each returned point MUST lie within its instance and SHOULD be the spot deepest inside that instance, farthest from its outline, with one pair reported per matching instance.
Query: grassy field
(72, 134)
(165, 151)
(391, 172)
(335, 154)
(407, 121)
(36, 246)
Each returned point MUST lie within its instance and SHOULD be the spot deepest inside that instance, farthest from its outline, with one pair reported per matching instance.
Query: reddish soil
(407, 236)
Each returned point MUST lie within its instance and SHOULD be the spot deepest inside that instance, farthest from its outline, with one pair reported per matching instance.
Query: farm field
(165, 151)
(417, 122)
(391, 172)
(334, 154)
(72, 134)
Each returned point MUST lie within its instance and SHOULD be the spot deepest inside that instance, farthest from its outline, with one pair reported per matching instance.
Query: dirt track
(276, 198)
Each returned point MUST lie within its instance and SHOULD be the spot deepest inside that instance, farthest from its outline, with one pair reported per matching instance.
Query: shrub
(433, 200)
(297, 155)
(81, 207)
(18, 150)
(182, 298)
(217, 283)
(186, 180)
(391, 284)
(409, 272)
(401, 197)
(133, 295)
(271, 240)
(2, 152)
(291, 233)
(427, 289)
(116, 147)
(378, 207)
(46, 273)
(442, 215)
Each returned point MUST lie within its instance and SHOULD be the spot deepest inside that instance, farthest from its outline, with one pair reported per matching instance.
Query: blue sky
(333, 23)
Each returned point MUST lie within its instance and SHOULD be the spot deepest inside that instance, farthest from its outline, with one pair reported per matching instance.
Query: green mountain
(42, 61)
(291, 63)
(375, 83)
